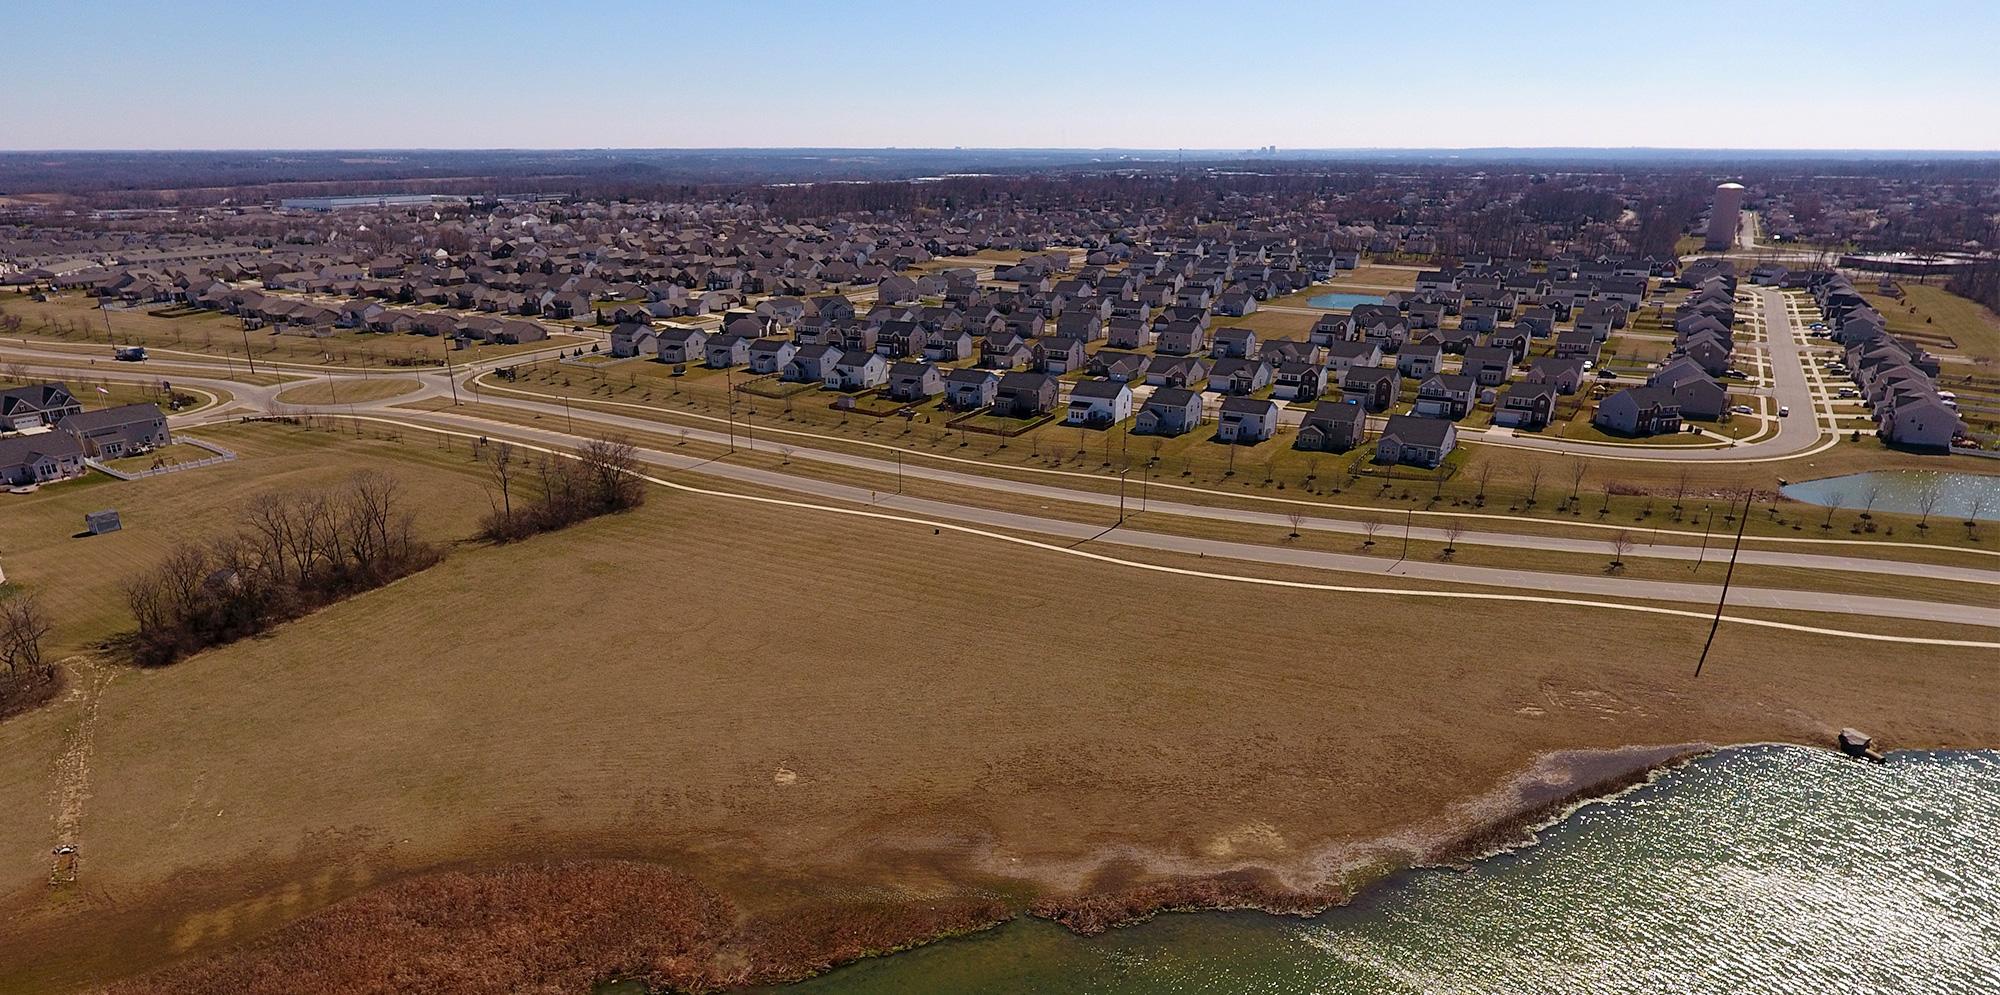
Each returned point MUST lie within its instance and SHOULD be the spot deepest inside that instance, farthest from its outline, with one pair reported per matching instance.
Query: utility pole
(899, 471)
(105, 310)
(1727, 574)
(246, 351)
(1145, 484)
(1409, 518)
(1121, 494)
(1705, 526)
(449, 377)
(567, 419)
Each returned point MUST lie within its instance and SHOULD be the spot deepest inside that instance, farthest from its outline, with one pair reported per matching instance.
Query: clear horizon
(226, 76)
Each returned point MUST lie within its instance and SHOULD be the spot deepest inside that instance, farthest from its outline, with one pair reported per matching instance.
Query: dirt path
(71, 785)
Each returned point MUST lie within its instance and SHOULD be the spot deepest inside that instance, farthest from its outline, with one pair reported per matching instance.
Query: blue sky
(1235, 74)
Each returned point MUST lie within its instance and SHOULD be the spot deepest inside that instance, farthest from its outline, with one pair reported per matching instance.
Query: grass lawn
(349, 391)
(169, 455)
(1932, 311)
(80, 579)
(513, 704)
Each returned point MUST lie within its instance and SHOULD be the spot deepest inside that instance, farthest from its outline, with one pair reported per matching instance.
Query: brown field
(975, 722)
(79, 578)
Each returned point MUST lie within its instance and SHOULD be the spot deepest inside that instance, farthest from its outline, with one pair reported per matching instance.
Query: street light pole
(1408, 518)
(899, 471)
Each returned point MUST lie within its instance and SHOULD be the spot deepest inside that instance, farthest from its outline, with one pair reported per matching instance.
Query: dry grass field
(80, 578)
(798, 708)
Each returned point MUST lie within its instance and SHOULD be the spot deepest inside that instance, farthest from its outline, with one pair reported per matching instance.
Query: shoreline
(648, 923)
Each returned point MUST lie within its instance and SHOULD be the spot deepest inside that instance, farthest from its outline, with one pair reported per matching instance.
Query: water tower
(1723, 220)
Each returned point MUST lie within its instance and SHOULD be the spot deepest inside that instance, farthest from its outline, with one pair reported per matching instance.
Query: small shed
(98, 523)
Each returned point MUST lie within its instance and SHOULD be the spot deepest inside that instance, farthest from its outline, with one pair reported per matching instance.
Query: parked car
(1742, 409)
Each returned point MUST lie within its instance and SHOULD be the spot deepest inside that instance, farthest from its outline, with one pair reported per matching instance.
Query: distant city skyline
(372, 75)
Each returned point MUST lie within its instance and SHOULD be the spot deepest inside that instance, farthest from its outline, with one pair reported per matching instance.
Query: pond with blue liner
(1341, 301)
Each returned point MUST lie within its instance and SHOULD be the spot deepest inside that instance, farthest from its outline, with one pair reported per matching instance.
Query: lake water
(1342, 302)
(1756, 871)
(1903, 491)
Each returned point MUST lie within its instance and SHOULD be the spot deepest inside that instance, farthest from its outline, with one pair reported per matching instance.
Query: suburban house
(111, 433)
(1123, 367)
(1233, 343)
(1697, 393)
(1332, 426)
(36, 406)
(1175, 371)
(1489, 365)
(1004, 351)
(680, 344)
(855, 371)
(1246, 420)
(949, 347)
(1565, 374)
(39, 458)
(1922, 422)
(913, 382)
(1419, 360)
(1025, 395)
(1239, 376)
(1098, 403)
(1177, 338)
(1446, 395)
(1414, 441)
(1170, 411)
(1578, 345)
(769, 356)
(1343, 355)
(1525, 405)
(967, 389)
(727, 350)
(810, 364)
(1297, 381)
(1371, 387)
(631, 338)
(1058, 356)
(1639, 411)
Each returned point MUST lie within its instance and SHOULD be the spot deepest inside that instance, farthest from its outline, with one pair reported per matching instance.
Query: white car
(1742, 409)
(1784, 411)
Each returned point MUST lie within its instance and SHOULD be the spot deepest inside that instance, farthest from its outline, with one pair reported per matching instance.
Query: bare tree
(1484, 475)
(1297, 518)
(23, 627)
(1680, 488)
(1534, 481)
(1868, 499)
(14, 371)
(1973, 507)
(1369, 527)
(500, 463)
(1833, 504)
(1452, 530)
(1927, 502)
(1620, 545)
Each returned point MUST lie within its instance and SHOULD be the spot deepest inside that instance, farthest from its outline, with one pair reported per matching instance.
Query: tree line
(294, 553)
(544, 491)
(27, 676)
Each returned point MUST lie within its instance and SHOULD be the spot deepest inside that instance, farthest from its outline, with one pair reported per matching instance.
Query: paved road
(1525, 580)
(1139, 497)
(1797, 434)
